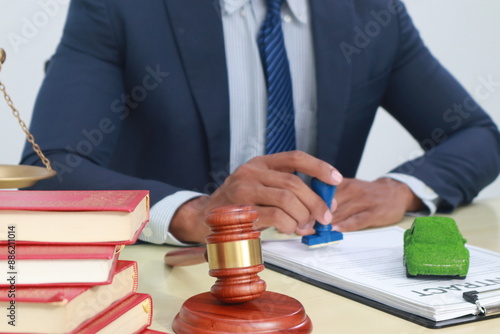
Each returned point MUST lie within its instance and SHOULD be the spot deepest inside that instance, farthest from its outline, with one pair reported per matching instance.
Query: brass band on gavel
(234, 254)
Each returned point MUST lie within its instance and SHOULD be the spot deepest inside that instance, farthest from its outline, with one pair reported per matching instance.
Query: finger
(316, 207)
(371, 217)
(355, 222)
(275, 217)
(347, 209)
(350, 199)
(308, 229)
(272, 188)
(350, 189)
(258, 193)
(286, 201)
(334, 205)
(298, 161)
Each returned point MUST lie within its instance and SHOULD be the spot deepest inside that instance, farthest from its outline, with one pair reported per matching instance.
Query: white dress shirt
(241, 21)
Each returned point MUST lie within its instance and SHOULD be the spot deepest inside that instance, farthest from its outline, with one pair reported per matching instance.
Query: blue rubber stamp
(324, 234)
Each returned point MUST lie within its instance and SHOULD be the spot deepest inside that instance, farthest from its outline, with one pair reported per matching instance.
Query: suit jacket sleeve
(461, 142)
(74, 121)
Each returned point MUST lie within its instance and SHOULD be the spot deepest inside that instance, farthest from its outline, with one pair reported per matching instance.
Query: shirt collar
(231, 6)
(298, 8)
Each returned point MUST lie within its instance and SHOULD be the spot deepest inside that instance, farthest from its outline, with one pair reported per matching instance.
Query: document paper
(370, 264)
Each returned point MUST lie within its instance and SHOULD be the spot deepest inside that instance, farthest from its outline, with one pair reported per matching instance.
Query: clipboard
(428, 323)
(487, 301)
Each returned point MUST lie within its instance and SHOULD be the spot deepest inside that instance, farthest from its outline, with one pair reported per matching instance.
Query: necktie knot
(274, 6)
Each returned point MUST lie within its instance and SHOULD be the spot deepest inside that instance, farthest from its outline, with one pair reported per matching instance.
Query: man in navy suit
(170, 96)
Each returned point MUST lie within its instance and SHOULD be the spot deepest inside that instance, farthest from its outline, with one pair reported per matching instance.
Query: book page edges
(73, 227)
(71, 200)
(74, 311)
(130, 314)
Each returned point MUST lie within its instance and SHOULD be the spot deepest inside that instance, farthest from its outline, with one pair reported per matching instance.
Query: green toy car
(434, 247)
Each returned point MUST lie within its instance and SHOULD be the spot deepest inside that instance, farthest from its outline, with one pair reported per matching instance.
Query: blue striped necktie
(280, 130)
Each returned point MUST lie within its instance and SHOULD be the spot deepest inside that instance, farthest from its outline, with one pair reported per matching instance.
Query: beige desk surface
(330, 313)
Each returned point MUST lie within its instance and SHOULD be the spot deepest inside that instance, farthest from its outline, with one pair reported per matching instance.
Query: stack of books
(60, 262)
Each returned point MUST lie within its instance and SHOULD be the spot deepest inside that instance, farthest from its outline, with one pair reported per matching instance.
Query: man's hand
(363, 204)
(267, 182)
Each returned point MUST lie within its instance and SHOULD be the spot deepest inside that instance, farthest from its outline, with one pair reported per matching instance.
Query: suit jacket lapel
(197, 26)
(332, 24)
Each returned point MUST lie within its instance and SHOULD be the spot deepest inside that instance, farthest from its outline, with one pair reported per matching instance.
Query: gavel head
(234, 254)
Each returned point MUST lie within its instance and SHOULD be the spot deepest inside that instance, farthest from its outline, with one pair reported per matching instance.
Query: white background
(463, 34)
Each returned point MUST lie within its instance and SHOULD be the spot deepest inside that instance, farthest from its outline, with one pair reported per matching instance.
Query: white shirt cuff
(160, 216)
(421, 190)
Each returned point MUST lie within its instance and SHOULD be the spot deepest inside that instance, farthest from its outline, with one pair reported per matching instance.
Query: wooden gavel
(233, 252)
(238, 301)
(186, 256)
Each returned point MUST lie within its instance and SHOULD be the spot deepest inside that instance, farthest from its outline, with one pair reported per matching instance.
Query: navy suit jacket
(136, 97)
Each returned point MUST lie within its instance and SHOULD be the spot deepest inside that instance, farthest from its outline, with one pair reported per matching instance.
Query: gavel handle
(186, 256)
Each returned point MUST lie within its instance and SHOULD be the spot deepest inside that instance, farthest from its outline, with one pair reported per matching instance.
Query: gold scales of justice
(21, 176)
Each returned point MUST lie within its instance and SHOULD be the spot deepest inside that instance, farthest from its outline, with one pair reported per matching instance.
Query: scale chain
(29, 136)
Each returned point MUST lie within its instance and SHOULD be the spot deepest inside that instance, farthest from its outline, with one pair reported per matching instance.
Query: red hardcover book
(64, 309)
(52, 264)
(94, 216)
(132, 315)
